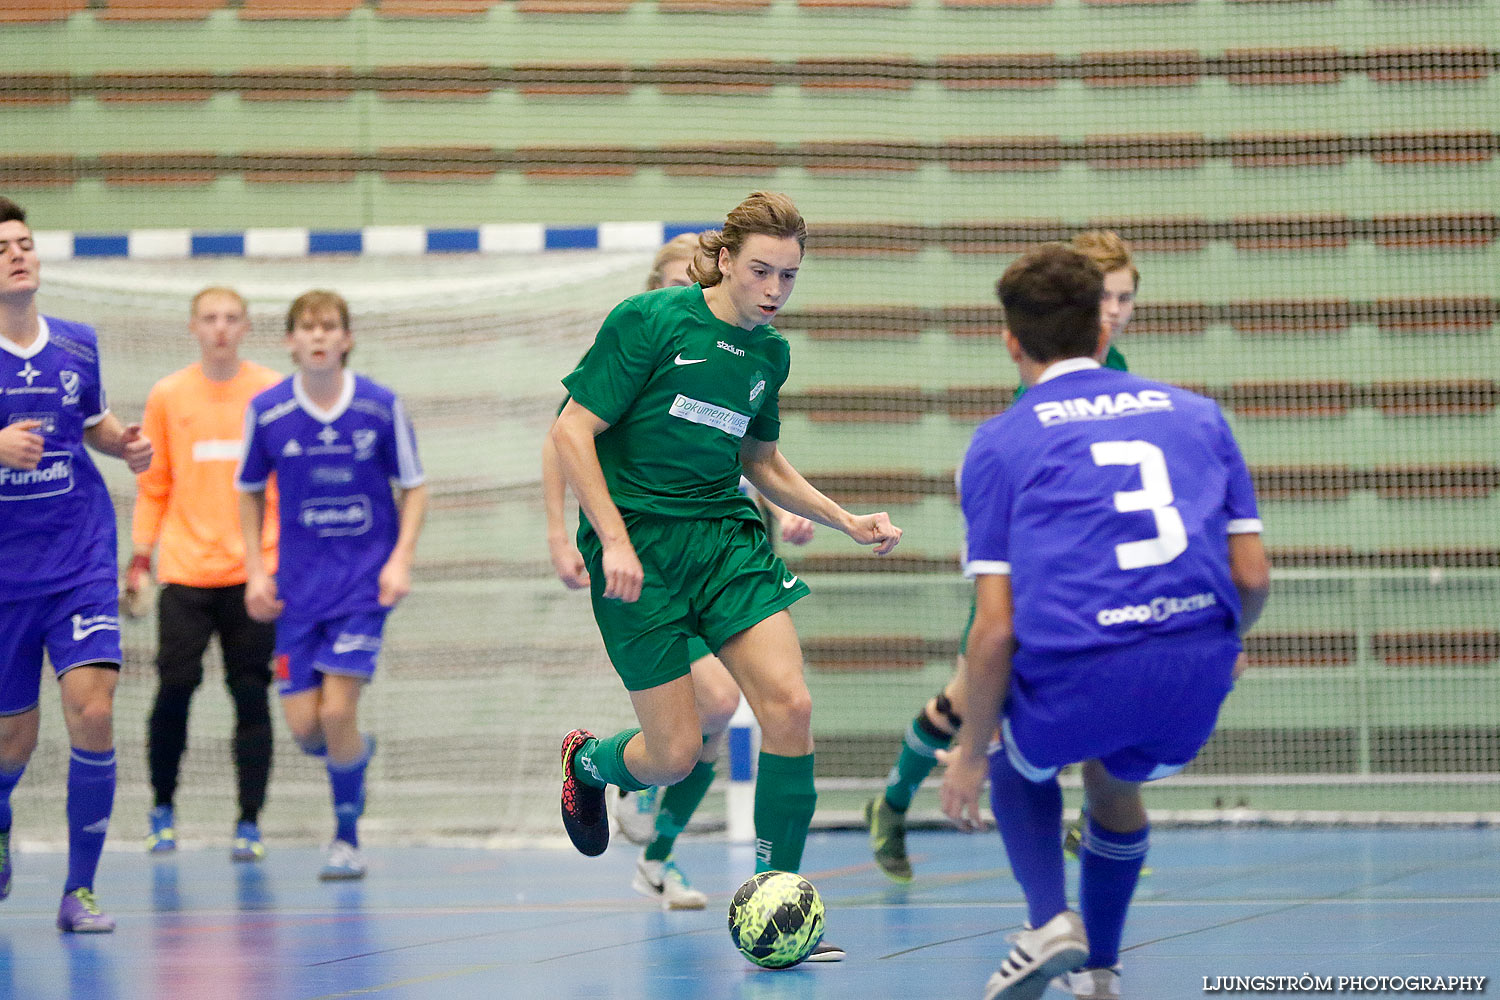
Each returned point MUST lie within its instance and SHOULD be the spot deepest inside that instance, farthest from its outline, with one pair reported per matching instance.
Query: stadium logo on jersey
(85, 627)
(72, 382)
(334, 516)
(1158, 610)
(721, 345)
(698, 412)
(349, 642)
(291, 449)
(364, 443)
(1106, 406)
(29, 373)
(52, 477)
(276, 412)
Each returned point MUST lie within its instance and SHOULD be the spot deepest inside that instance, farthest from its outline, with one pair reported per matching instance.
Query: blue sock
(8, 782)
(91, 796)
(348, 782)
(1029, 816)
(1110, 865)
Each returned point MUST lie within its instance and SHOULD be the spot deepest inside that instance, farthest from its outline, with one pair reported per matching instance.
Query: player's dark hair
(764, 213)
(1051, 301)
(10, 211)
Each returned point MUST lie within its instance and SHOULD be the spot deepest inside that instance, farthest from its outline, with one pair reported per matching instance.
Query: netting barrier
(1310, 190)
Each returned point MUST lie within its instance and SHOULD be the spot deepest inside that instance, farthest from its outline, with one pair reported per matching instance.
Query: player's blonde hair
(1106, 248)
(218, 290)
(683, 246)
(764, 213)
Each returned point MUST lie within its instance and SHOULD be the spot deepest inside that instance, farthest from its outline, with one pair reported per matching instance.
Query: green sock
(677, 806)
(784, 803)
(918, 758)
(602, 762)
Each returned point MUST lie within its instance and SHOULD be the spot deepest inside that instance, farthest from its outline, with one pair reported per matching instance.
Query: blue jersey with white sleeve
(57, 525)
(334, 470)
(1108, 499)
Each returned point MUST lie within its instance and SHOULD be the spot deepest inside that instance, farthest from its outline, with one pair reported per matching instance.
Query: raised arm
(573, 435)
(769, 471)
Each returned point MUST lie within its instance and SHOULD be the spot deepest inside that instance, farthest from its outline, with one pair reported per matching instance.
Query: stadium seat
(159, 10)
(731, 159)
(571, 79)
(314, 83)
(271, 10)
(964, 4)
(1464, 229)
(722, 76)
(175, 168)
(45, 170)
(463, 163)
(1009, 71)
(569, 162)
(1293, 232)
(712, 6)
(1168, 68)
(453, 81)
(854, 3)
(1039, 152)
(836, 73)
(1464, 646)
(434, 8)
(1463, 63)
(1299, 66)
(37, 89)
(573, 6)
(174, 87)
(298, 167)
(876, 653)
(39, 11)
(1139, 151)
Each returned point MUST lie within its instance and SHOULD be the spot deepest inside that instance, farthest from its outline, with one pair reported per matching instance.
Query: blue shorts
(305, 651)
(1143, 711)
(75, 627)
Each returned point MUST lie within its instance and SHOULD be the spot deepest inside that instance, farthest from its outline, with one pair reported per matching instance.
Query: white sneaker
(344, 862)
(1093, 984)
(634, 813)
(1057, 946)
(663, 880)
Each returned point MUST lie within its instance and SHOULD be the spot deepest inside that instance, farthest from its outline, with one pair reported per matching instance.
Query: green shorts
(709, 579)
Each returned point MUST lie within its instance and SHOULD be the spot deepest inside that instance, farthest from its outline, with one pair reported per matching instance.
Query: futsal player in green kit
(676, 399)
(654, 817)
(934, 726)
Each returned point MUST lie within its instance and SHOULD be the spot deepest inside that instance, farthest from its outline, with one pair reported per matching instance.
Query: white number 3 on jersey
(1154, 495)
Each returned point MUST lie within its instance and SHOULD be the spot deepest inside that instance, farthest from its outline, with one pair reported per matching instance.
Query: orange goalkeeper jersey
(186, 501)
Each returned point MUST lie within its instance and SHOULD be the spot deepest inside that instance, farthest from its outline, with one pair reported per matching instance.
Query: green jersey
(680, 389)
(1114, 359)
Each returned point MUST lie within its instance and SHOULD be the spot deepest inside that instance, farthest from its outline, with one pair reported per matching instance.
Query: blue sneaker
(163, 837)
(247, 845)
(80, 914)
(4, 863)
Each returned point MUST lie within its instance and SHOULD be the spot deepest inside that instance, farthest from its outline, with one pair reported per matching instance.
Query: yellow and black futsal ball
(776, 919)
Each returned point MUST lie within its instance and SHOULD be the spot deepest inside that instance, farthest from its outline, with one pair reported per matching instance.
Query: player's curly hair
(1107, 249)
(764, 213)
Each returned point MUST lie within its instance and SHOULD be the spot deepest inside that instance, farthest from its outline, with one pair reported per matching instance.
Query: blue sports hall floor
(447, 923)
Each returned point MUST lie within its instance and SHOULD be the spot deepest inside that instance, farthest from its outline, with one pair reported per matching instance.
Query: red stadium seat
(39, 11)
(271, 10)
(159, 10)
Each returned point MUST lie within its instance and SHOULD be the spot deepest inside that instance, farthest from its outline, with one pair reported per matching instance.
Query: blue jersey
(1108, 499)
(57, 525)
(334, 470)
